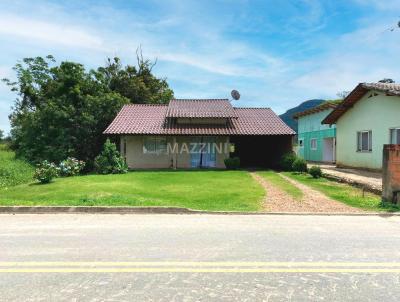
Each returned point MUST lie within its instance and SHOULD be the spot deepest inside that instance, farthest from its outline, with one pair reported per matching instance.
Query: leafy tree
(1, 134)
(138, 84)
(62, 110)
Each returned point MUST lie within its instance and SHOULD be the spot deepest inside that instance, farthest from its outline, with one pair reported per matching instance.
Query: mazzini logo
(199, 148)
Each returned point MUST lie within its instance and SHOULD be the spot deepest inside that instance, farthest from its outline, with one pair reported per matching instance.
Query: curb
(366, 187)
(163, 210)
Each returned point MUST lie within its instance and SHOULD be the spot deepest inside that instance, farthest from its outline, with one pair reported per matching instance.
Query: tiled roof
(324, 106)
(200, 108)
(151, 119)
(357, 93)
(389, 88)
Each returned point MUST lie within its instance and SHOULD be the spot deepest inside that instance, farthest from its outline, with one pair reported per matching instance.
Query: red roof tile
(200, 108)
(151, 119)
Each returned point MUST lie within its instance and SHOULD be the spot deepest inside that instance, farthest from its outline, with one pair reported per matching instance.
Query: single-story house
(316, 142)
(368, 118)
(199, 133)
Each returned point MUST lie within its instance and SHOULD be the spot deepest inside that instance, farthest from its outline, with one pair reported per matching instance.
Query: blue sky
(276, 53)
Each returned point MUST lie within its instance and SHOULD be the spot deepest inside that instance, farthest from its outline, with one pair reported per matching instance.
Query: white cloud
(49, 32)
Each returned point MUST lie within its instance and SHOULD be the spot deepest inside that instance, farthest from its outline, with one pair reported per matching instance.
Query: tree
(138, 84)
(62, 110)
(342, 94)
(1, 134)
(387, 80)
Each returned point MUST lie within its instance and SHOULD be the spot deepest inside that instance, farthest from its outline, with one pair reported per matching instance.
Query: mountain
(287, 117)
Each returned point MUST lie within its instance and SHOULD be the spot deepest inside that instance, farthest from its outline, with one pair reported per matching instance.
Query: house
(199, 133)
(316, 142)
(368, 118)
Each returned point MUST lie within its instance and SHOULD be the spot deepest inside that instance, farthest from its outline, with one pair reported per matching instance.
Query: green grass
(282, 184)
(202, 190)
(347, 194)
(13, 171)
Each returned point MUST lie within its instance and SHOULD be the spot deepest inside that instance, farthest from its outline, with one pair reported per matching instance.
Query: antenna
(235, 94)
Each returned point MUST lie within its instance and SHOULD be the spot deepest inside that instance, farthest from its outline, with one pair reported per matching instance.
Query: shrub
(71, 167)
(287, 161)
(315, 172)
(45, 172)
(109, 161)
(299, 165)
(232, 163)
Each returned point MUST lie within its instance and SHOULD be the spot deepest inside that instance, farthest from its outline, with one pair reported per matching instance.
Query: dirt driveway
(313, 201)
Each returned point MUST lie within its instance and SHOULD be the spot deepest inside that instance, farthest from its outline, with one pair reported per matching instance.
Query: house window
(313, 144)
(395, 136)
(364, 141)
(154, 145)
(301, 143)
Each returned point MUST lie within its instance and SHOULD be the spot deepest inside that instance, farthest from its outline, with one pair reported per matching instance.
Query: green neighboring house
(316, 142)
(368, 118)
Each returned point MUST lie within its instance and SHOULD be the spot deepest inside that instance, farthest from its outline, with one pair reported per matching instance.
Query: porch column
(174, 153)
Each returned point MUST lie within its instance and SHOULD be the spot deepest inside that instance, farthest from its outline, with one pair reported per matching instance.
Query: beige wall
(136, 159)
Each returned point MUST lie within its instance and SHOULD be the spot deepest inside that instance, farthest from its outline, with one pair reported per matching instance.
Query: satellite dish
(235, 94)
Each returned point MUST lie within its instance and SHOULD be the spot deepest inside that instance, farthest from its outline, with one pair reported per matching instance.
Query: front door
(202, 152)
(329, 150)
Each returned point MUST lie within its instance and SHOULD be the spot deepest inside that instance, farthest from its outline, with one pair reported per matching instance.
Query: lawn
(282, 184)
(201, 190)
(13, 171)
(344, 193)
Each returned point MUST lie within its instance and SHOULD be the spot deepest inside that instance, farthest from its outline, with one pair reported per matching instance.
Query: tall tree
(62, 110)
(137, 83)
(1, 134)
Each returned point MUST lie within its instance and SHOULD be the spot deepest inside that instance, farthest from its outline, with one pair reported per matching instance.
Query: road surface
(199, 258)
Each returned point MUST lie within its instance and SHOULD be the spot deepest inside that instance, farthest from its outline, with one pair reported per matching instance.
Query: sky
(276, 53)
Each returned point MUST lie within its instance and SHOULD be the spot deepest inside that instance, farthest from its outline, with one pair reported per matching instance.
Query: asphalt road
(199, 258)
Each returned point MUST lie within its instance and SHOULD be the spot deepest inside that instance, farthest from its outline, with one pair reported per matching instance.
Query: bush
(299, 165)
(287, 161)
(45, 172)
(232, 163)
(71, 167)
(109, 161)
(315, 172)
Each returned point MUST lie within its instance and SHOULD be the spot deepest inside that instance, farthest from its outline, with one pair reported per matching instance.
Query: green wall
(310, 127)
(377, 113)
(314, 155)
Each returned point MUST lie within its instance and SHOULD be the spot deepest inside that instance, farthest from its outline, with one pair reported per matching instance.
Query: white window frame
(390, 135)
(159, 146)
(360, 144)
(311, 144)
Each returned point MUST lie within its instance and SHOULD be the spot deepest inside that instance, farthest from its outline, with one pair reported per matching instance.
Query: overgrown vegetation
(347, 194)
(13, 171)
(201, 190)
(282, 184)
(62, 109)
